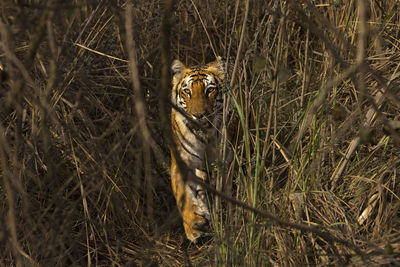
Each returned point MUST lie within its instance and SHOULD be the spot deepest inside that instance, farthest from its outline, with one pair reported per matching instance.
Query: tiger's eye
(186, 91)
(210, 90)
(201, 195)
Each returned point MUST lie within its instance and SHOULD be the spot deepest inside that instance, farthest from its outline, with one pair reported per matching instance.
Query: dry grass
(84, 133)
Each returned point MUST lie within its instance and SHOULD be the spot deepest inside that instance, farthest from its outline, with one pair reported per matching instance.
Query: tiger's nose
(202, 225)
(199, 116)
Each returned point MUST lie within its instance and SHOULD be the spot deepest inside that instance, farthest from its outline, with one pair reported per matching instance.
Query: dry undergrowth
(84, 133)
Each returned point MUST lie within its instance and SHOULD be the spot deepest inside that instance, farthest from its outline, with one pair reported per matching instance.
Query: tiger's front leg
(192, 202)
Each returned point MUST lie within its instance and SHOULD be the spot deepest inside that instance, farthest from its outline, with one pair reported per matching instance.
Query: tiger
(196, 119)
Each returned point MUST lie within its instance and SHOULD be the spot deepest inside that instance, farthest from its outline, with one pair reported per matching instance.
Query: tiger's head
(198, 90)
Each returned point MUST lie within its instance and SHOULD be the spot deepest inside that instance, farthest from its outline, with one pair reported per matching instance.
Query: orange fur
(196, 91)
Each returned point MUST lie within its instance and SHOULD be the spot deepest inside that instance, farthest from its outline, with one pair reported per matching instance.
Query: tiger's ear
(177, 67)
(217, 67)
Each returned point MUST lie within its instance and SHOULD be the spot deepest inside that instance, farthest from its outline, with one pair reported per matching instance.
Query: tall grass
(313, 89)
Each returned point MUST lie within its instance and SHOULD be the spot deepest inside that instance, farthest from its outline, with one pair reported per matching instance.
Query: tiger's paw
(196, 215)
(195, 225)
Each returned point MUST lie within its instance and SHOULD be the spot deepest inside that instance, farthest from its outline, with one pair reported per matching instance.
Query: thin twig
(274, 219)
(204, 28)
(100, 53)
(139, 101)
(321, 98)
(240, 45)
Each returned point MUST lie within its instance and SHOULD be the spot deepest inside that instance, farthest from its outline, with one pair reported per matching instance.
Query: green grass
(83, 184)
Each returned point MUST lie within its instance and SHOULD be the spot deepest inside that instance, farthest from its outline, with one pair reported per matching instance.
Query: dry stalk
(235, 67)
(276, 220)
(139, 101)
(377, 100)
(319, 101)
(204, 28)
(100, 53)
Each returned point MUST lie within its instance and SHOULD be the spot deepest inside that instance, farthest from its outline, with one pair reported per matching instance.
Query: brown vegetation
(84, 132)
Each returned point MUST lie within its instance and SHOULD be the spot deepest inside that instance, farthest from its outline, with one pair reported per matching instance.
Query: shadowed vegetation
(84, 158)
